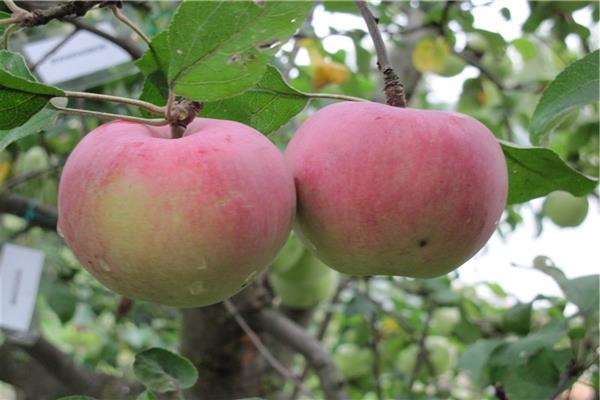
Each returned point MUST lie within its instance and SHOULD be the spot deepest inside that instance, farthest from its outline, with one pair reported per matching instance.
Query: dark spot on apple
(269, 44)
(423, 242)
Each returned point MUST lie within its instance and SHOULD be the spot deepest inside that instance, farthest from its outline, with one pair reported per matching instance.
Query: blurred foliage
(437, 338)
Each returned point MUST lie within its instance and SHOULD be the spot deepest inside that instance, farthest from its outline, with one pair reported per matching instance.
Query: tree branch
(374, 344)
(393, 88)
(289, 333)
(277, 366)
(70, 9)
(36, 214)
(75, 377)
(133, 51)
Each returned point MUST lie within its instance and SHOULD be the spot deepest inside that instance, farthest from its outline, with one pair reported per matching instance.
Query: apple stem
(147, 121)
(393, 87)
(180, 114)
(151, 108)
(333, 96)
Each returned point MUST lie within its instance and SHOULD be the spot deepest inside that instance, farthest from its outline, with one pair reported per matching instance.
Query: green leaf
(21, 96)
(535, 379)
(517, 352)
(575, 86)
(37, 123)
(163, 371)
(474, 360)
(221, 48)
(147, 395)
(583, 291)
(535, 171)
(76, 397)
(154, 64)
(517, 319)
(265, 107)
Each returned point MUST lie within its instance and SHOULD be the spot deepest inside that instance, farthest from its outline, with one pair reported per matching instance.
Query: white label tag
(83, 54)
(20, 271)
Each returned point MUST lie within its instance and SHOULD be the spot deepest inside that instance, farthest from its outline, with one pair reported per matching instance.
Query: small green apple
(304, 283)
(442, 354)
(564, 209)
(353, 361)
(443, 320)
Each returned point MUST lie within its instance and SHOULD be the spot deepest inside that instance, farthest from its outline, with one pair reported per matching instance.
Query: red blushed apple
(394, 191)
(184, 222)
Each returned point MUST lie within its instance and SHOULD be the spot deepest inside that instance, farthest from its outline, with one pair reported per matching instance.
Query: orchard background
(527, 70)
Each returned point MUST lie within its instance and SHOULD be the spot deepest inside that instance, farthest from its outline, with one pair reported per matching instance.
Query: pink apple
(184, 222)
(393, 191)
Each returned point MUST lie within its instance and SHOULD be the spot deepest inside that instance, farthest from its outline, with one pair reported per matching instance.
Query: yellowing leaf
(326, 72)
(4, 170)
(434, 55)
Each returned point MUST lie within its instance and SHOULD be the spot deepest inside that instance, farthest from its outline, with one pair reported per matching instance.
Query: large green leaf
(154, 64)
(21, 96)
(577, 85)
(265, 107)
(163, 371)
(583, 291)
(517, 319)
(35, 124)
(475, 358)
(219, 49)
(536, 171)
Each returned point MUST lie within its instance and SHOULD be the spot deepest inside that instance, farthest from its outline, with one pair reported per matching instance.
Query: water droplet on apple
(203, 265)
(196, 287)
(293, 20)
(103, 265)
(60, 232)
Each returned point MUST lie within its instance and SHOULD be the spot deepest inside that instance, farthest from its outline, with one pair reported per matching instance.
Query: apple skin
(183, 222)
(395, 191)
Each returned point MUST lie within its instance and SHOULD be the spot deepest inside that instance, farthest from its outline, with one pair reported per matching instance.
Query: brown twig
(289, 333)
(123, 18)
(53, 50)
(262, 349)
(393, 88)
(20, 179)
(422, 354)
(374, 344)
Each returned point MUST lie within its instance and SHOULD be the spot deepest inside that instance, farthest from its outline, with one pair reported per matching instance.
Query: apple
(564, 209)
(442, 353)
(443, 320)
(353, 361)
(304, 283)
(184, 222)
(384, 190)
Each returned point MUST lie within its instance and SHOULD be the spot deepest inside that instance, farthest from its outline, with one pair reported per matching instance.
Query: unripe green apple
(305, 283)
(443, 320)
(384, 190)
(353, 361)
(184, 222)
(442, 353)
(564, 209)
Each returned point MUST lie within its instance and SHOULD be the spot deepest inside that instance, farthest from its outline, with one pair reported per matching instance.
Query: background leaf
(535, 171)
(575, 86)
(221, 48)
(265, 107)
(34, 125)
(163, 371)
(21, 96)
